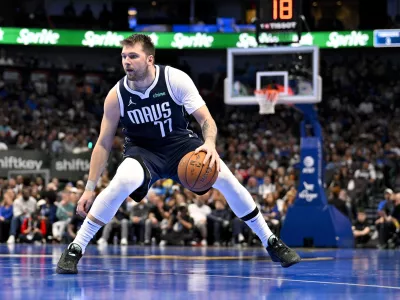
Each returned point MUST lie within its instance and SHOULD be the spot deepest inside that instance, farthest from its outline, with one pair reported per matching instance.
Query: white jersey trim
(121, 103)
(183, 90)
(149, 89)
(171, 94)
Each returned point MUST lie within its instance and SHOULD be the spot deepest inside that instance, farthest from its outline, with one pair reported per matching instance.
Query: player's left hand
(212, 154)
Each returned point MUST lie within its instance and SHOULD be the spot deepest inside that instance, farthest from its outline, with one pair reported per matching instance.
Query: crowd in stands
(89, 16)
(359, 116)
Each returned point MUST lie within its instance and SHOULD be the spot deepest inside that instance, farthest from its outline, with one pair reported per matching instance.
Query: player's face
(135, 62)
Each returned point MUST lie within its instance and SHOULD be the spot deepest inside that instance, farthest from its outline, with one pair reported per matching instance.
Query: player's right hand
(84, 203)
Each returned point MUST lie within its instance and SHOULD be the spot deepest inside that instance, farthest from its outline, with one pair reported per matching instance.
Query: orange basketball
(194, 175)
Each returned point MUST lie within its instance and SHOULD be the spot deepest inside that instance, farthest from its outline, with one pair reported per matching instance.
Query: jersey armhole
(171, 93)
(121, 103)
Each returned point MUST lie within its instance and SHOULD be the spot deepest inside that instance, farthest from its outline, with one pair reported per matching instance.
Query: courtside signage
(179, 40)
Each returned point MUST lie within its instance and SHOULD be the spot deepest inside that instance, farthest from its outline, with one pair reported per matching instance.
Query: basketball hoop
(267, 99)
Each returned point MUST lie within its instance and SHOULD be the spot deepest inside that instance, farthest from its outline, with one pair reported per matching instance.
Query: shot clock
(278, 16)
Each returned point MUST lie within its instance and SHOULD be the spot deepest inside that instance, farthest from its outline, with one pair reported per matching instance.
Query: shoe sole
(63, 271)
(287, 265)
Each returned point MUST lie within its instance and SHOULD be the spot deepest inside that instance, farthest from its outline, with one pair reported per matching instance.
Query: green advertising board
(169, 40)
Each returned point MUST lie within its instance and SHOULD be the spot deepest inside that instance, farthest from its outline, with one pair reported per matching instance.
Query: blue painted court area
(115, 272)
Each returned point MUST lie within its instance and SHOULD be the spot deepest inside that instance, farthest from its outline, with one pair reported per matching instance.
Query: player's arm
(207, 124)
(101, 150)
(209, 130)
(104, 143)
(185, 92)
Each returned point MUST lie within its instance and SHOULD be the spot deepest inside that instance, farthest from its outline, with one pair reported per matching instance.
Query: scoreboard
(279, 16)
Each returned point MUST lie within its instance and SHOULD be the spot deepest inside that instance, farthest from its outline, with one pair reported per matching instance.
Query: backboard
(294, 71)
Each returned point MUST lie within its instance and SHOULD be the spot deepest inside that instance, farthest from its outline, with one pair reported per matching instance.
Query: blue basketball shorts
(160, 162)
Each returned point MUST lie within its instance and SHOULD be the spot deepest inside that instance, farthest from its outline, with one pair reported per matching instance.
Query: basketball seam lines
(187, 165)
(199, 174)
(207, 181)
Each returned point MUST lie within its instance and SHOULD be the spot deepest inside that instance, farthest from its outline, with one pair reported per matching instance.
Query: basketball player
(151, 102)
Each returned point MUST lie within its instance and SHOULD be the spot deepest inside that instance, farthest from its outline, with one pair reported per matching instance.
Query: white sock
(241, 203)
(260, 227)
(86, 233)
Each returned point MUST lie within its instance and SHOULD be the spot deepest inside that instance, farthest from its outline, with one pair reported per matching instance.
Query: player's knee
(225, 177)
(130, 174)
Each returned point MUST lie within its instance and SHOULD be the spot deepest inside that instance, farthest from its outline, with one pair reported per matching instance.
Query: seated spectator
(47, 210)
(73, 228)
(271, 213)
(158, 212)
(6, 214)
(266, 188)
(199, 212)
(64, 213)
(33, 230)
(120, 222)
(364, 178)
(180, 228)
(23, 207)
(219, 220)
(138, 216)
(342, 203)
(387, 205)
(361, 230)
(387, 224)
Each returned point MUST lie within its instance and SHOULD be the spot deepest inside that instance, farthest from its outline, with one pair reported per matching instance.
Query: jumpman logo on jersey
(131, 102)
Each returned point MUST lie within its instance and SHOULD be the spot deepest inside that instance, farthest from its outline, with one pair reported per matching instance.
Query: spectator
(271, 213)
(138, 217)
(199, 212)
(6, 214)
(387, 224)
(64, 213)
(180, 228)
(219, 221)
(33, 229)
(23, 207)
(73, 228)
(157, 213)
(266, 188)
(361, 230)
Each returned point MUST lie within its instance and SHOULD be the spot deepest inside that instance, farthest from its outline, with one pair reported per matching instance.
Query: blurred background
(58, 60)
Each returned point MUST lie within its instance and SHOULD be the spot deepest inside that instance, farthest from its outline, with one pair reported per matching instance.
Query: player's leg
(243, 205)
(129, 177)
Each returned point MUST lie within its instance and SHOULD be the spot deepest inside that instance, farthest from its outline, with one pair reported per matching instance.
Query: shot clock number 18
(282, 10)
(279, 16)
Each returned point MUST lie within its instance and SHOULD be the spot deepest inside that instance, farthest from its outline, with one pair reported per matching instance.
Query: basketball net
(267, 99)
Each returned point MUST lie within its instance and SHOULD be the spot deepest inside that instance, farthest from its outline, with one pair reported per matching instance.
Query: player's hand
(84, 203)
(212, 154)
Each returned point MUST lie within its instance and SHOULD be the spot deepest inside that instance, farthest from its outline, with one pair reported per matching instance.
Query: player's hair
(144, 40)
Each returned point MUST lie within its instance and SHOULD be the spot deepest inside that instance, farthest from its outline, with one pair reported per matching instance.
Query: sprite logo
(248, 41)
(306, 39)
(154, 38)
(353, 39)
(109, 39)
(200, 40)
(43, 37)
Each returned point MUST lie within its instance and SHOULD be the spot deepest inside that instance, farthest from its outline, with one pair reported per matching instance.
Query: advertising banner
(178, 40)
(22, 160)
(70, 166)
